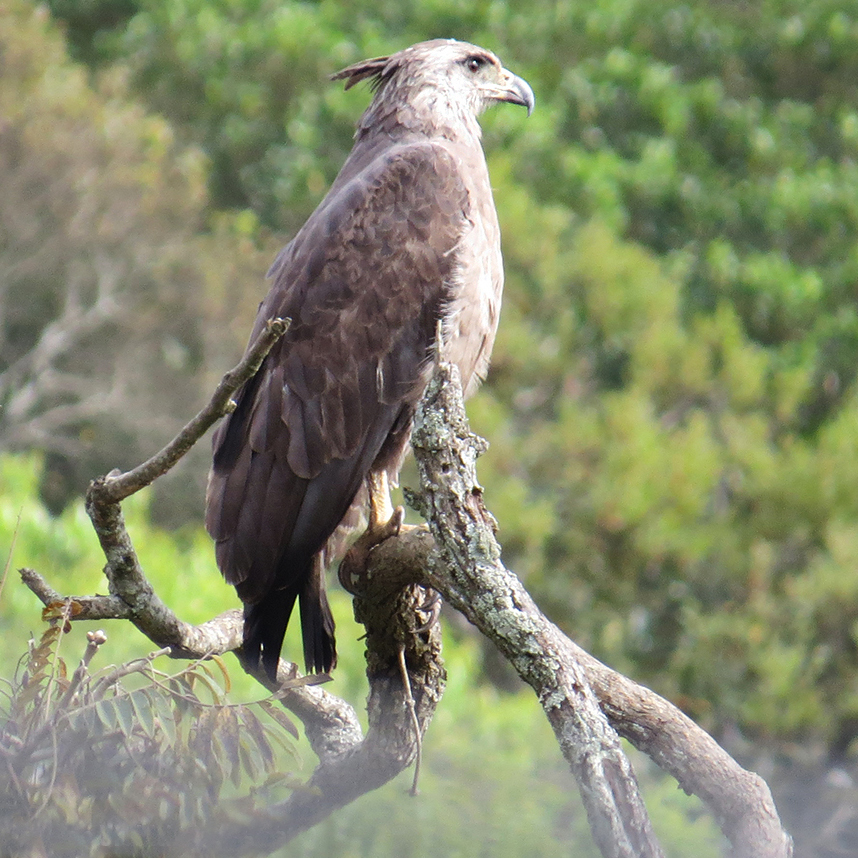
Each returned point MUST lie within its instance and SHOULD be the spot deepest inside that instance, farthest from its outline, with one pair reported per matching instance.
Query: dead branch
(568, 681)
(116, 487)
(123, 571)
(88, 607)
(475, 582)
(587, 704)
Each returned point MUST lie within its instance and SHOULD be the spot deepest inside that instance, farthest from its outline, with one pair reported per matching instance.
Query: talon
(432, 600)
(349, 572)
(432, 605)
(383, 522)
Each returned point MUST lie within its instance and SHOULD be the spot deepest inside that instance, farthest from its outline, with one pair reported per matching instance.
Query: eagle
(404, 248)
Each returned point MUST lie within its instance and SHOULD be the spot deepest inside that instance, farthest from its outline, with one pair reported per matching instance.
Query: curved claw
(431, 605)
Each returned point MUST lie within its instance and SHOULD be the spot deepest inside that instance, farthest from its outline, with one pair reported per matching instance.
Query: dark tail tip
(265, 627)
(317, 625)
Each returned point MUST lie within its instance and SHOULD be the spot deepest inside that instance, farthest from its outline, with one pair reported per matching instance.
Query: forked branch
(588, 705)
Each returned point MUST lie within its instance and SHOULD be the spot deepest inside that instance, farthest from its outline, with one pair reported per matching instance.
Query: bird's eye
(474, 64)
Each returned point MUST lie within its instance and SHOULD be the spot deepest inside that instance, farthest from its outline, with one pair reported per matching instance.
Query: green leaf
(144, 710)
(276, 712)
(125, 712)
(107, 713)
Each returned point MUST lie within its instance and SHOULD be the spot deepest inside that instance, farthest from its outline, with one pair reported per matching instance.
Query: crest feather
(374, 69)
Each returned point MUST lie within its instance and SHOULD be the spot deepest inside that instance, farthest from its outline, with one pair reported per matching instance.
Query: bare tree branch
(475, 582)
(74, 322)
(470, 575)
(88, 607)
(587, 703)
(117, 487)
(125, 576)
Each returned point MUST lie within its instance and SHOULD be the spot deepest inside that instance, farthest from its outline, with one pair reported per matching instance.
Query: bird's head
(443, 81)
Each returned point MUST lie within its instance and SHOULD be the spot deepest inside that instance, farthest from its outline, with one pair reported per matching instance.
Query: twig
(116, 487)
(331, 723)
(40, 586)
(412, 711)
(350, 764)
(123, 670)
(8, 563)
(94, 640)
(89, 607)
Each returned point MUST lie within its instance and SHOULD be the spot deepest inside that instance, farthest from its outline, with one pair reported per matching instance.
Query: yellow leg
(384, 522)
(380, 506)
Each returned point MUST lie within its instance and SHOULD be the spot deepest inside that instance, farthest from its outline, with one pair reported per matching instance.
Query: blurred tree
(105, 279)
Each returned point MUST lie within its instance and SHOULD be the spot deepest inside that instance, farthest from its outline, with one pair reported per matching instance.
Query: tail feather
(317, 622)
(265, 624)
(265, 627)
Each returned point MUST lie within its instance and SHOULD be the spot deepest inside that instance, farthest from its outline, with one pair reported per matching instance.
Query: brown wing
(364, 283)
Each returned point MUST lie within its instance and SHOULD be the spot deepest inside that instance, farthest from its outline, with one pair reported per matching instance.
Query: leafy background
(671, 408)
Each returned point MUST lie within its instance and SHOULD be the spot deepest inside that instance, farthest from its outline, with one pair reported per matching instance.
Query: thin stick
(94, 640)
(412, 710)
(63, 622)
(117, 486)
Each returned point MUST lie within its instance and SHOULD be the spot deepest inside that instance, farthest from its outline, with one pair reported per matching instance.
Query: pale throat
(448, 111)
(435, 110)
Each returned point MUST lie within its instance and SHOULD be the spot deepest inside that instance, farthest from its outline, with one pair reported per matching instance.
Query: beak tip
(524, 92)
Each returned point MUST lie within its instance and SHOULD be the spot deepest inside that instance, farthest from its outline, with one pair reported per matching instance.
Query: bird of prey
(405, 244)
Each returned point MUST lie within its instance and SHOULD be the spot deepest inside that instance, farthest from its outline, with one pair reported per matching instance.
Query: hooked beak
(515, 90)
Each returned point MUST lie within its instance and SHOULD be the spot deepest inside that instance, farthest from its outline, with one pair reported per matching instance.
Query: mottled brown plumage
(406, 237)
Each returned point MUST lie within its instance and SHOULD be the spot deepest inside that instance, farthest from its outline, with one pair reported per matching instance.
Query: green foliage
(722, 134)
(96, 767)
(688, 504)
(247, 82)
